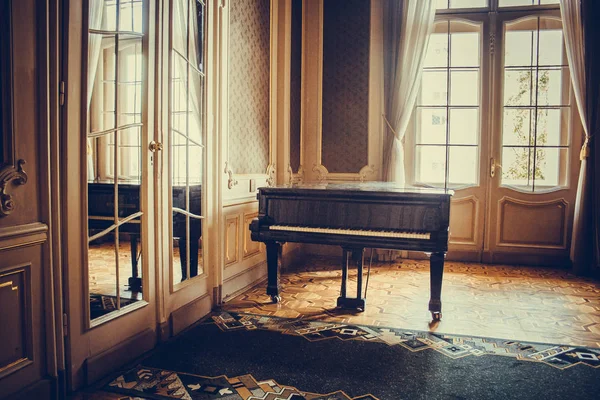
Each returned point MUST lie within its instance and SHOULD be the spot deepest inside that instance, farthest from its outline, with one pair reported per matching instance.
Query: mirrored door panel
(186, 138)
(114, 154)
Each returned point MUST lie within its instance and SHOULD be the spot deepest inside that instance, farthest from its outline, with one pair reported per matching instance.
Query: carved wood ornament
(8, 174)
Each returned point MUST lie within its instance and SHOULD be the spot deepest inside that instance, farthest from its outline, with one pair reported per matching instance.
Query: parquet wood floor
(520, 303)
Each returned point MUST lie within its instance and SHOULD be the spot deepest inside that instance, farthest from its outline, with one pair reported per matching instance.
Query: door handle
(493, 166)
(155, 146)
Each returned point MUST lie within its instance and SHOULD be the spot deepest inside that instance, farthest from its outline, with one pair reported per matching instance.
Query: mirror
(115, 83)
(296, 85)
(187, 138)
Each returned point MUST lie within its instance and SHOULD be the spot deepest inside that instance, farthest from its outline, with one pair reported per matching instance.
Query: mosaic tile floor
(519, 303)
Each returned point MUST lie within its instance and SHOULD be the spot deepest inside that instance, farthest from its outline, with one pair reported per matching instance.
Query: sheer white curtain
(96, 11)
(574, 42)
(407, 27)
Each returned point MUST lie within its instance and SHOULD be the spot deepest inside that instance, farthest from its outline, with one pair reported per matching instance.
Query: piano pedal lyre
(358, 303)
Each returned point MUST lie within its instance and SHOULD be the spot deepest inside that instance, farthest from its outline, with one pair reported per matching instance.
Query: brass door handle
(493, 166)
(155, 146)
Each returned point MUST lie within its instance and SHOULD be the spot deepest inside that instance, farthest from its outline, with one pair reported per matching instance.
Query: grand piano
(101, 197)
(355, 216)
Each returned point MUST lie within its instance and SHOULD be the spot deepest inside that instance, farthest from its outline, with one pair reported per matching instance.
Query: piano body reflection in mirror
(355, 216)
(101, 215)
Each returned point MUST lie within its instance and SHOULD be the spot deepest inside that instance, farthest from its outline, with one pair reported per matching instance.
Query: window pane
(468, 3)
(195, 107)
(520, 48)
(517, 87)
(547, 166)
(516, 127)
(431, 162)
(550, 88)
(550, 43)
(129, 154)
(197, 35)
(434, 91)
(179, 94)
(179, 157)
(180, 25)
(442, 4)
(109, 15)
(517, 163)
(464, 126)
(464, 88)
(463, 168)
(465, 49)
(437, 50)
(130, 16)
(508, 3)
(195, 166)
(432, 126)
(551, 123)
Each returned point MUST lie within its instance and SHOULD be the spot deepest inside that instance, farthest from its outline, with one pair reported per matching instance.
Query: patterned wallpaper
(249, 75)
(345, 84)
(295, 84)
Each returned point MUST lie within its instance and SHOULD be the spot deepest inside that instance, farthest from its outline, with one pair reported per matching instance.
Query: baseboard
(163, 331)
(250, 277)
(44, 389)
(190, 313)
(539, 260)
(100, 365)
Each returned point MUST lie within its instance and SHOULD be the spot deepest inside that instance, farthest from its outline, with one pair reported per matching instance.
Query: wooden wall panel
(532, 224)
(250, 247)
(232, 229)
(464, 220)
(15, 320)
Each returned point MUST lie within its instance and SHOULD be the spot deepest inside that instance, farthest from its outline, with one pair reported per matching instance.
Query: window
(535, 138)
(187, 136)
(116, 109)
(530, 89)
(448, 109)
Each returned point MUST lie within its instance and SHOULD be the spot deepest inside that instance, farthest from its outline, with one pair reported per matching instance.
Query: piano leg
(135, 282)
(273, 266)
(436, 271)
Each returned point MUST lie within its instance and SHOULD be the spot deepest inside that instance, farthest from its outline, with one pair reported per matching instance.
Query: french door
(135, 169)
(534, 161)
(494, 123)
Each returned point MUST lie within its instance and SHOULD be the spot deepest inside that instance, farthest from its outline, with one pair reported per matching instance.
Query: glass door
(186, 139)
(533, 168)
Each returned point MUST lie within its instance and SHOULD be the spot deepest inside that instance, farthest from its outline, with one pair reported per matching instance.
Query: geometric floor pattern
(533, 304)
(153, 383)
(454, 346)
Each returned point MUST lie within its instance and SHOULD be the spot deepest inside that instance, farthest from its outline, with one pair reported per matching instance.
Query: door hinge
(61, 93)
(65, 325)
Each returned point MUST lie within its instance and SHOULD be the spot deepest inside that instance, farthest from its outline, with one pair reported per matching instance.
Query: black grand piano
(355, 216)
(101, 197)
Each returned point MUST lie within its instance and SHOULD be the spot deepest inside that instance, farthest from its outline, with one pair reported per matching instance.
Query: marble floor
(521, 303)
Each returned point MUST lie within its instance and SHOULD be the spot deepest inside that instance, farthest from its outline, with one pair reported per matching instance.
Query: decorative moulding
(321, 172)
(231, 182)
(16, 175)
(271, 175)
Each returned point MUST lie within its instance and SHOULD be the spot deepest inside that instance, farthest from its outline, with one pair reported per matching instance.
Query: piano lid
(363, 187)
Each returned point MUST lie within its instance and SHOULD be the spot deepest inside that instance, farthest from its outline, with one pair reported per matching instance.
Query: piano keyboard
(352, 232)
